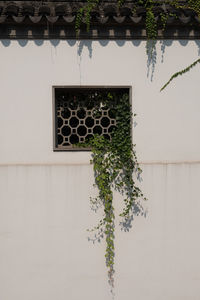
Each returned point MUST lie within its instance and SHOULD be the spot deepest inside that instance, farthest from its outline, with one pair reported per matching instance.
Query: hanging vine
(180, 73)
(114, 162)
(153, 18)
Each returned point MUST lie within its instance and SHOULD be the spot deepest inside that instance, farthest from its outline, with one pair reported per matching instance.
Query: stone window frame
(98, 87)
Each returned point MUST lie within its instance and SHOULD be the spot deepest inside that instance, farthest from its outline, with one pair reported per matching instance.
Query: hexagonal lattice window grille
(79, 113)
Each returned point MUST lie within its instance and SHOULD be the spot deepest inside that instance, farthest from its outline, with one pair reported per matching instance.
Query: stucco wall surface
(168, 122)
(44, 249)
(44, 195)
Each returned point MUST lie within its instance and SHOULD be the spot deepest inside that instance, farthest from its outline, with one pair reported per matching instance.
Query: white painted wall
(44, 195)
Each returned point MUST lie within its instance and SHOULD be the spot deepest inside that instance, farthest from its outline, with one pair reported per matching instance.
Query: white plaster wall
(168, 122)
(45, 254)
(44, 195)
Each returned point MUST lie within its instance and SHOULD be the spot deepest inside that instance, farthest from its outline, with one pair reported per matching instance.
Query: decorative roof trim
(56, 19)
(108, 32)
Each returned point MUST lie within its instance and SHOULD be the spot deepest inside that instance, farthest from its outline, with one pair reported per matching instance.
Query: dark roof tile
(106, 17)
(12, 10)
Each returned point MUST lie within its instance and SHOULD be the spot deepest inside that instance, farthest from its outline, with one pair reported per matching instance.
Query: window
(81, 112)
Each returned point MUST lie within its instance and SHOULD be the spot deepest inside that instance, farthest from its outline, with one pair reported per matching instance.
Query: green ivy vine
(152, 22)
(180, 73)
(114, 162)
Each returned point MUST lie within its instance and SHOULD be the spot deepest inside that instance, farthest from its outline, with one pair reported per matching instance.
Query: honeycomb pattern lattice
(78, 121)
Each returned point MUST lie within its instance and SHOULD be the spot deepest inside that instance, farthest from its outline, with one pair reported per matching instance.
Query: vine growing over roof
(115, 161)
(154, 19)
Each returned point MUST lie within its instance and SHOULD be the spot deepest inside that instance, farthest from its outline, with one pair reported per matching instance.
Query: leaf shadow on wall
(163, 45)
(137, 210)
(152, 52)
(151, 58)
(87, 44)
(198, 46)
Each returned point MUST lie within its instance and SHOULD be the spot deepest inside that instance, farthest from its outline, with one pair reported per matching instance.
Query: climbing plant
(114, 161)
(154, 18)
(180, 73)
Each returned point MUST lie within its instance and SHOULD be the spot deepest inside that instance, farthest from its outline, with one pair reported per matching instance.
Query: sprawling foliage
(114, 163)
(187, 69)
(154, 19)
